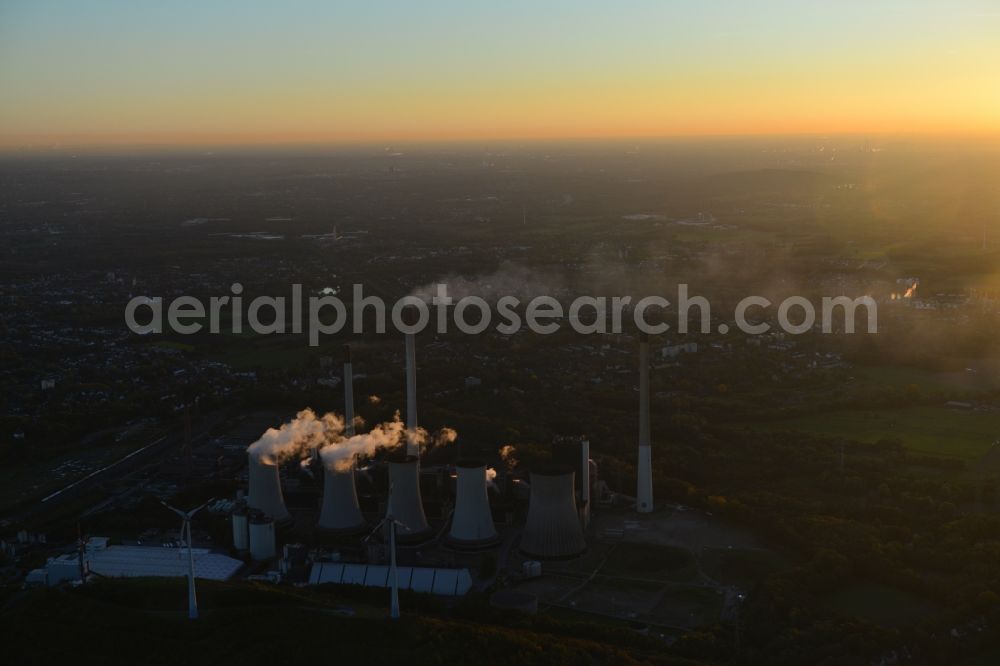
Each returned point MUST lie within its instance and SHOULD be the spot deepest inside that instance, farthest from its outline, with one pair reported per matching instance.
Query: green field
(880, 604)
(934, 430)
(130, 621)
(651, 561)
(985, 377)
(742, 567)
(19, 483)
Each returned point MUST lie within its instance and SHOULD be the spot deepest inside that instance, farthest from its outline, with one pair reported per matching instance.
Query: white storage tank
(241, 529)
(262, 538)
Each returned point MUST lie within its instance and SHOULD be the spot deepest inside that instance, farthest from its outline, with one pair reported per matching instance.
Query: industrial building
(462, 516)
(439, 581)
(106, 561)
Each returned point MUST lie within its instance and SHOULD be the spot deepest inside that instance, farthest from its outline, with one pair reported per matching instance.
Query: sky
(310, 71)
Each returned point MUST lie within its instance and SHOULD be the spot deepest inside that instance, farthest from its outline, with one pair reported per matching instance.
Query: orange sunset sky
(315, 72)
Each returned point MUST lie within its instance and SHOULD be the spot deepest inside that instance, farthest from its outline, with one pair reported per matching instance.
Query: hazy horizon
(223, 73)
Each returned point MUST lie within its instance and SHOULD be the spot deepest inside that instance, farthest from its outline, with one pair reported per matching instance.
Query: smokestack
(262, 544)
(644, 491)
(348, 393)
(340, 511)
(405, 503)
(412, 449)
(552, 530)
(585, 480)
(241, 529)
(472, 521)
(265, 489)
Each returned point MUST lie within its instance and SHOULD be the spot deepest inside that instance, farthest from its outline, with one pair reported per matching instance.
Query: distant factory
(475, 508)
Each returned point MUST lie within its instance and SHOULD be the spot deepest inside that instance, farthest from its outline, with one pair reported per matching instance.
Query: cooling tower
(265, 490)
(241, 533)
(644, 490)
(405, 504)
(262, 545)
(553, 529)
(573, 453)
(340, 511)
(348, 393)
(472, 521)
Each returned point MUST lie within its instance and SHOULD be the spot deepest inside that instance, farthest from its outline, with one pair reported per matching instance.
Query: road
(141, 457)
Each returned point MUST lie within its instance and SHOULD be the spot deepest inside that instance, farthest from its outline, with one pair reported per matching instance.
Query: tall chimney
(644, 491)
(348, 393)
(412, 449)
(585, 480)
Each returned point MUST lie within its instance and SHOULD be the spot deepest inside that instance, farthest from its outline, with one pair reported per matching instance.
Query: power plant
(559, 494)
(472, 522)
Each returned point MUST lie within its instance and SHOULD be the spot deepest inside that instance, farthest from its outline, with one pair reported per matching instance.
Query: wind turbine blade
(177, 511)
(194, 511)
(375, 529)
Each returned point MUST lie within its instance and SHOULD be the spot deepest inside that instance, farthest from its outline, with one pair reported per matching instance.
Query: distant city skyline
(233, 73)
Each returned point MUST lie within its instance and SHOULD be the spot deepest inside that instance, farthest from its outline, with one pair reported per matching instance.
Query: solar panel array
(443, 582)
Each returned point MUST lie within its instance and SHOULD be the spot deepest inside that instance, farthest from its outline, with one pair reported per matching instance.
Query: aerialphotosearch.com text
(328, 314)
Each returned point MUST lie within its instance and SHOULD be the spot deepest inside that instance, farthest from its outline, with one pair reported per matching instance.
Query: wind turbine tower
(186, 536)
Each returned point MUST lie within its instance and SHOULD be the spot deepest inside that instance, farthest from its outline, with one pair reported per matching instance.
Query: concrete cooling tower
(472, 522)
(405, 503)
(553, 528)
(265, 490)
(340, 512)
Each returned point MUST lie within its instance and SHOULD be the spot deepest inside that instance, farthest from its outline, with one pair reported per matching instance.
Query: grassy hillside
(142, 622)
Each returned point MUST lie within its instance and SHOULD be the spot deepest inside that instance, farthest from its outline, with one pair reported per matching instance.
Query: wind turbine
(81, 547)
(391, 522)
(186, 535)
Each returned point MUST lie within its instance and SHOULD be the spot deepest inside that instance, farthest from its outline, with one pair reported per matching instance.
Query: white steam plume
(341, 453)
(291, 439)
(507, 455)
